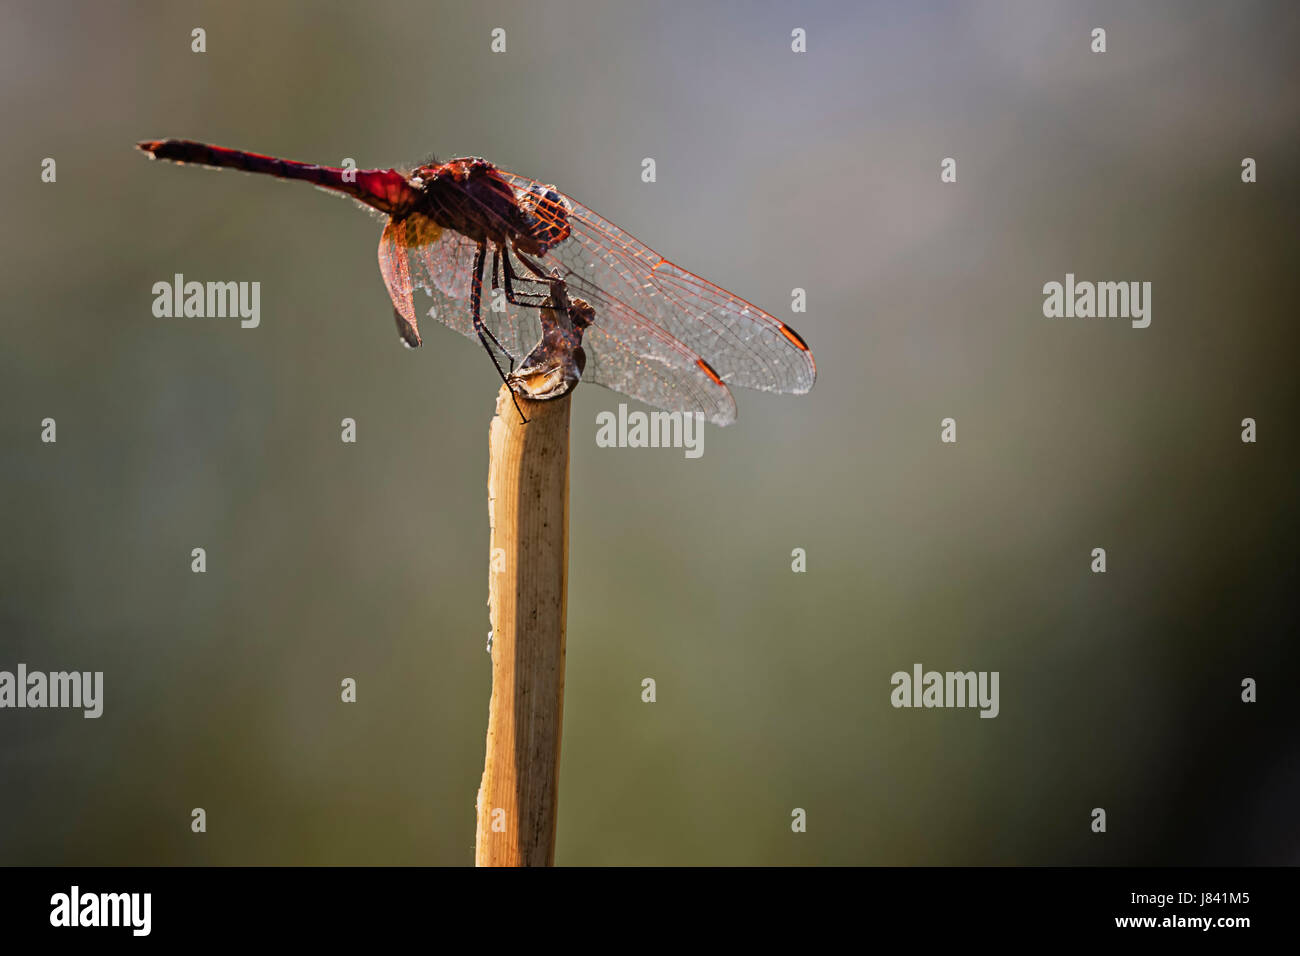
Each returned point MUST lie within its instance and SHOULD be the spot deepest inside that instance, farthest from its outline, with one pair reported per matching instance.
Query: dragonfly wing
(629, 357)
(744, 344)
(396, 270)
(418, 256)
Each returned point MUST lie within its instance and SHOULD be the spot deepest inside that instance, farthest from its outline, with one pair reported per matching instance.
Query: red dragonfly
(652, 330)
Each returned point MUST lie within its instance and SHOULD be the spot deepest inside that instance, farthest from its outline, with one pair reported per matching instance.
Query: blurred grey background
(775, 171)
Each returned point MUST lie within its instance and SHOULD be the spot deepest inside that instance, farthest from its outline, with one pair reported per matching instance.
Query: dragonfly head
(546, 215)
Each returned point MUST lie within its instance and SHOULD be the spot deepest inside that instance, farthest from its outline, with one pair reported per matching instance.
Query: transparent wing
(607, 266)
(630, 358)
(429, 272)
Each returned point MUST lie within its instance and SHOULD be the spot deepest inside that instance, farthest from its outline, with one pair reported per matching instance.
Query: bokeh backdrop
(776, 170)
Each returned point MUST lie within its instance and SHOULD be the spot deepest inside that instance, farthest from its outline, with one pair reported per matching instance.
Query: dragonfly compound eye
(546, 214)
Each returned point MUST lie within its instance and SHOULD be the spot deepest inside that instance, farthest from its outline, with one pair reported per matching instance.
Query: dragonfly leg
(476, 299)
(483, 329)
(497, 254)
(539, 274)
(557, 295)
(509, 277)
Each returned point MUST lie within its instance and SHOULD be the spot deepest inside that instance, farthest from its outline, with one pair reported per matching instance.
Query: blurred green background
(775, 171)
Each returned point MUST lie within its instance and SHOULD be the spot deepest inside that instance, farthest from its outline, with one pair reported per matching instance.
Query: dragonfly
(649, 328)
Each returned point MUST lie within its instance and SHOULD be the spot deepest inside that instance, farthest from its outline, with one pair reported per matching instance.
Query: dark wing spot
(794, 338)
(409, 333)
(708, 370)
